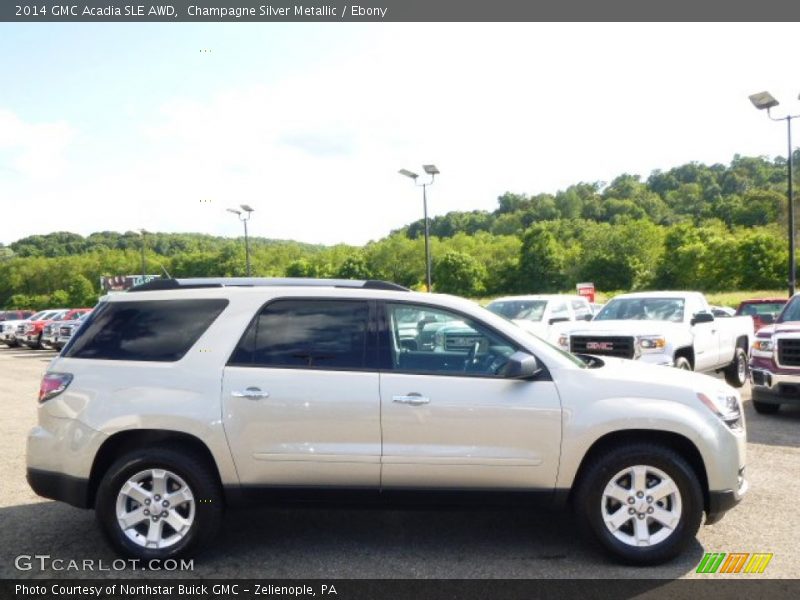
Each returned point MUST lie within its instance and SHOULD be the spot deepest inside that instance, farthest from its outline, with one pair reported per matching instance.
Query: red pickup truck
(30, 333)
(763, 310)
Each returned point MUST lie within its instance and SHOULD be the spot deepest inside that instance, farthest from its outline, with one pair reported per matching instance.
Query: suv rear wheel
(159, 503)
(642, 502)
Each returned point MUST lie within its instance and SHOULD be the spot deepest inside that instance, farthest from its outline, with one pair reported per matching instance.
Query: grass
(733, 299)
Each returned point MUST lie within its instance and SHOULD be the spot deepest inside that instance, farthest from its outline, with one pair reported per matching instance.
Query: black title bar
(398, 11)
(711, 588)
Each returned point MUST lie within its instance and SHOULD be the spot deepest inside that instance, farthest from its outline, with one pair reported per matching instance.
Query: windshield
(791, 312)
(643, 309)
(761, 308)
(530, 310)
(38, 316)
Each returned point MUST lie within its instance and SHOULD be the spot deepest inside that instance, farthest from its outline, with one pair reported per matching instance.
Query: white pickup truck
(666, 328)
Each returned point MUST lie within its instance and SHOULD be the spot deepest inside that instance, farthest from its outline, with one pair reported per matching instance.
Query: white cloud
(521, 107)
(34, 150)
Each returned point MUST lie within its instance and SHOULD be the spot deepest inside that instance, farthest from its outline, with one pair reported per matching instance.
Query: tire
(655, 464)
(197, 515)
(765, 408)
(736, 373)
(681, 362)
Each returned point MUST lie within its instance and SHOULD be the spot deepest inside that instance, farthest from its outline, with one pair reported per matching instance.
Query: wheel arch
(674, 441)
(687, 352)
(126, 441)
(743, 342)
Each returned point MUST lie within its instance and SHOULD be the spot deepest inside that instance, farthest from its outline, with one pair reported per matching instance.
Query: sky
(119, 127)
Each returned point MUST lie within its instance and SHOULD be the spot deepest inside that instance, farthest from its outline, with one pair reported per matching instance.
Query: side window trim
(372, 345)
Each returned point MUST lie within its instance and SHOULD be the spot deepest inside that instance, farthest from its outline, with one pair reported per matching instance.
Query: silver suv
(182, 398)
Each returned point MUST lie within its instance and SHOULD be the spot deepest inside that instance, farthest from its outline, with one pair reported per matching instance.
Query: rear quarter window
(150, 330)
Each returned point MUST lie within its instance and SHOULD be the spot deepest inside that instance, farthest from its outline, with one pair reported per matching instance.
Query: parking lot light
(763, 100)
(766, 101)
(433, 172)
(244, 218)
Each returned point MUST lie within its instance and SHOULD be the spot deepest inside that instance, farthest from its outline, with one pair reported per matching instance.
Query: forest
(704, 227)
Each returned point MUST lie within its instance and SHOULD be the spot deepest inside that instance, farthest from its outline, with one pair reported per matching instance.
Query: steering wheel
(472, 355)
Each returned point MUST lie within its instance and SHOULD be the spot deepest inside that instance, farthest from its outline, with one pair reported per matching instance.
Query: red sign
(586, 290)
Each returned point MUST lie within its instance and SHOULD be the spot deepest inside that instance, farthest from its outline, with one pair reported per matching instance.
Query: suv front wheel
(159, 503)
(642, 502)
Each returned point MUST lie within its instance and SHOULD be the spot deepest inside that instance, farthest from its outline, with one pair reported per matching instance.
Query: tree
(81, 292)
(301, 268)
(764, 258)
(460, 274)
(59, 299)
(354, 267)
(541, 262)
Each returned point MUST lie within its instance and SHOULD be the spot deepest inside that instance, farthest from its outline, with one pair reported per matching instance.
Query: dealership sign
(120, 283)
(586, 290)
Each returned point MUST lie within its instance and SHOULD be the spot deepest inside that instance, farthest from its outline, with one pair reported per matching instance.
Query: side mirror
(702, 317)
(588, 317)
(767, 319)
(558, 320)
(522, 365)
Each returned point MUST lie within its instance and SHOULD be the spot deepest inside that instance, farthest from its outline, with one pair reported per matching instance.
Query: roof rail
(217, 282)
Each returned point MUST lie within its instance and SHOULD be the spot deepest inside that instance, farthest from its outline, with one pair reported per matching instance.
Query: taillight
(53, 384)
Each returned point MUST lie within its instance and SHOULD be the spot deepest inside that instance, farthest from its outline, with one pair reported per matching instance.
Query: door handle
(413, 399)
(251, 393)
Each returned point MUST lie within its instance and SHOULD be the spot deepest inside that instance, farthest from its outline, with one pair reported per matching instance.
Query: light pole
(244, 217)
(144, 266)
(765, 101)
(433, 172)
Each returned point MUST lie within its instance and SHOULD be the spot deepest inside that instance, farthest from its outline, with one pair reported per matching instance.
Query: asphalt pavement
(387, 543)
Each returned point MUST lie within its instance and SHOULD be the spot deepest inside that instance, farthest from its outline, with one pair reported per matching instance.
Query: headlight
(726, 406)
(764, 346)
(563, 341)
(652, 343)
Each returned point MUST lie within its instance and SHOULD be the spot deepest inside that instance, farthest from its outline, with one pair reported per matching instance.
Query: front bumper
(772, 384)
(720, 502)
(656, 358)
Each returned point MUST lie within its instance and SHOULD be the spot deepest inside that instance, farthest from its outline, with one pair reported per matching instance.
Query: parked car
(10, 329)
(764, 311)
(537, 313)
(667, 328)
(775, 361)
(14, 315)
(722, 311)
(184, 397)
(416, 328)
(64, 330)
(30, 333)
(50, 331)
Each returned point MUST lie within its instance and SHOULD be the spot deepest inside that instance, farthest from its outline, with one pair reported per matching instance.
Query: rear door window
(150, 330)
(308, 334)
